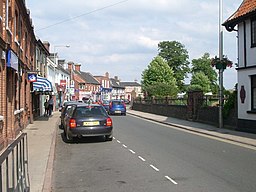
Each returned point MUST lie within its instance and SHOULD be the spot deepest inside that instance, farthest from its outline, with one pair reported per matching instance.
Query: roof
(246, 10)
(130, 84)
(115, 83)
(89, 78)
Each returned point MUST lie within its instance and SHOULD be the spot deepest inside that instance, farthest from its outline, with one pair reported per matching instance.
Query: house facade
(132, 90)
(17, 51)
(243, 21)
(118, 91)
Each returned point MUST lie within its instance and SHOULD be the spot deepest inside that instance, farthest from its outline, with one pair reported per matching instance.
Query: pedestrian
(46, 108)
(50, 106)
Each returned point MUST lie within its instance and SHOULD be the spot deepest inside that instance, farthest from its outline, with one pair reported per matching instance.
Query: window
(253, 82)
(253, 32)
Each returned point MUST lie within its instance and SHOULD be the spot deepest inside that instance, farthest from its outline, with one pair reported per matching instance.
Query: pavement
(42, 138)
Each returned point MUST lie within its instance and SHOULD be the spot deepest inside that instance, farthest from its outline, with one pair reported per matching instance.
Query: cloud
(121, 37)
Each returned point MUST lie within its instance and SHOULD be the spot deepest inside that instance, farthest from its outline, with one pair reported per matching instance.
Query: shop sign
(32, 77)
(12, 60)
(63, 83)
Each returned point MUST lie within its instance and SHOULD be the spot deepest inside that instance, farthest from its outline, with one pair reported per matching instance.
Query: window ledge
(252, 112)
(1, 118)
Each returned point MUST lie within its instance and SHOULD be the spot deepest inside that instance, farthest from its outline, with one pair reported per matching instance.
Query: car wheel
(108, 137)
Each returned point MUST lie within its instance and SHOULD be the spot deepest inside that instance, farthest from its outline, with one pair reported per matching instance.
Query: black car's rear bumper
(90, 131)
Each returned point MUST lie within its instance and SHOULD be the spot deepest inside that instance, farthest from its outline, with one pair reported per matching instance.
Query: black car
(87, 120)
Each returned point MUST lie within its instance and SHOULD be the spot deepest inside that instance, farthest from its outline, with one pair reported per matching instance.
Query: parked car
(117, 107)
(105, 104)
(66, 103)
(66, 107)
(87, 120)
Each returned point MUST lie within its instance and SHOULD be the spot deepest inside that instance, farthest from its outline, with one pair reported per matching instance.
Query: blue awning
(42, 85)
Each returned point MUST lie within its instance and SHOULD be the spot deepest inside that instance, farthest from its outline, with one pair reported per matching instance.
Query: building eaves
(246, 10)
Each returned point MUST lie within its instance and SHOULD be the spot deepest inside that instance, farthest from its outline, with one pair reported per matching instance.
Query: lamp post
(221, 69)
(56, 65)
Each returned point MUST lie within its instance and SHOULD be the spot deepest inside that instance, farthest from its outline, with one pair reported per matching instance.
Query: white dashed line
(133, 152)
(153, 167)
(114, 138)
(141, 158)
(170, 179)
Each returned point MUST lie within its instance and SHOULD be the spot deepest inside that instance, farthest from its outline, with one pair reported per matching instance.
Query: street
(146, 156)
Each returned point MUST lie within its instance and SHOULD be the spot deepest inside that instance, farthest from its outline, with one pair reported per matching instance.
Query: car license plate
(117, 111)
(91, 123)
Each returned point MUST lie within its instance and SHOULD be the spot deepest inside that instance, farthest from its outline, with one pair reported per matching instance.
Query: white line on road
(133, 152)
(153, 167)
(124, 146)
(170, 179)
(114, 138)
(118, 141)
(141, 158)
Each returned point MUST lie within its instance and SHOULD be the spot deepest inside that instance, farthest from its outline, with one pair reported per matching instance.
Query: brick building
(17, 45)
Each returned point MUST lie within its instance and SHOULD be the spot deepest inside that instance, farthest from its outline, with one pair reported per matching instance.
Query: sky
(121, 36)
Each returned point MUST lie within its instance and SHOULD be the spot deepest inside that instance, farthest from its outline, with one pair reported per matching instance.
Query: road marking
(170, 179)
(114, 138)
(141, 158)
(133, 152)
(153, 167)
(118, 141)
(124, 146)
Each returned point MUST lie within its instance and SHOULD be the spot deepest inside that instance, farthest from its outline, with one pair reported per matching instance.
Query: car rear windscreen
(85, 111)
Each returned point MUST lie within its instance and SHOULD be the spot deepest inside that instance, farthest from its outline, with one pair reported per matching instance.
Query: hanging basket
(221, 66)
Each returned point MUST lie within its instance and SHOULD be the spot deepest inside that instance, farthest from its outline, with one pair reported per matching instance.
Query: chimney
(70, 65)
(47, 45)
(77, 67)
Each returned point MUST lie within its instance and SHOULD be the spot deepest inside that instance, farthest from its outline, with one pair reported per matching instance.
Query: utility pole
(221, 69)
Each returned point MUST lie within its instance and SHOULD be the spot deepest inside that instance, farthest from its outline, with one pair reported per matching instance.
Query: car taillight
(72, 123)
(109, 122)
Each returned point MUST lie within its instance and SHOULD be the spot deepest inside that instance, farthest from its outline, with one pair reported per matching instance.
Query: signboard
(12, 60)
(32, 77)
(63, 83)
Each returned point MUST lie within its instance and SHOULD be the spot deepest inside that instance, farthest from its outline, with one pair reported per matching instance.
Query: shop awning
(42, 85)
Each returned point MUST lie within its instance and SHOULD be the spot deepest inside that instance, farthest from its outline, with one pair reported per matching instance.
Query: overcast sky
(121, 37)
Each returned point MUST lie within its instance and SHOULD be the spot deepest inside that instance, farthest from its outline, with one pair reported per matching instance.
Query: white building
(244, 22)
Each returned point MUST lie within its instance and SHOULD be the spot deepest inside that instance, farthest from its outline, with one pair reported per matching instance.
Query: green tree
(177, 58)
(158, 79)
(203, 65)
(200, 81)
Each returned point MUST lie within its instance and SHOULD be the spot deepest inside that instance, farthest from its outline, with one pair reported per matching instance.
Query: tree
(200, 81)
(203, 65)
(158, 79)
(177, 58)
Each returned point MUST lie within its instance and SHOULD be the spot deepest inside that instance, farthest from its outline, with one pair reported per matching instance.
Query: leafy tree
(200, 81)
(158, 78)
(203, 65)
(177, 58)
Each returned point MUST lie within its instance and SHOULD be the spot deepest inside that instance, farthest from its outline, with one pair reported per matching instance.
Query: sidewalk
(41, 145)
(42, 138)
(231, 135)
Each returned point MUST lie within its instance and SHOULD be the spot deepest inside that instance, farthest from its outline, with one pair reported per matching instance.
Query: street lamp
(221, 69)
(56, 65)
